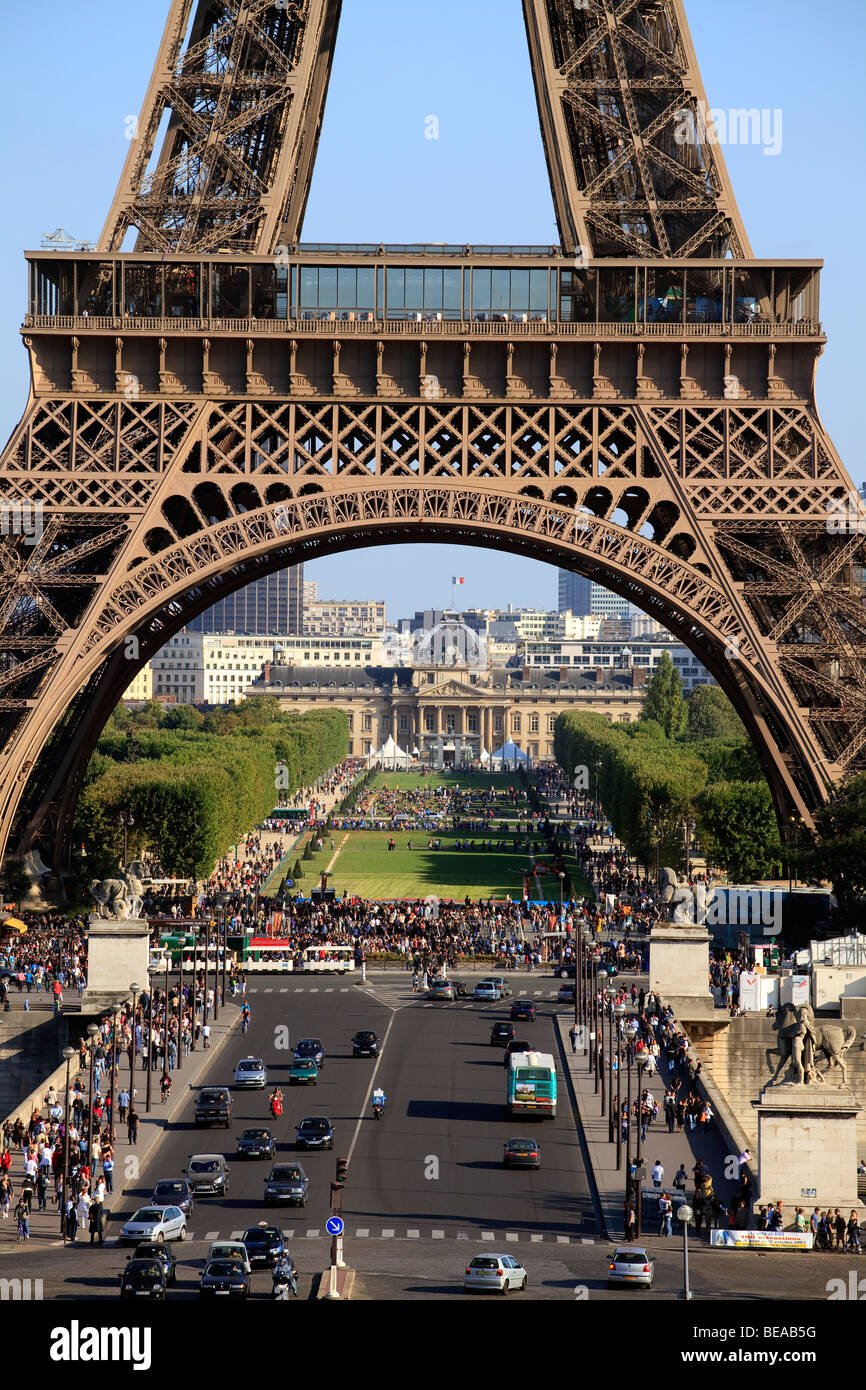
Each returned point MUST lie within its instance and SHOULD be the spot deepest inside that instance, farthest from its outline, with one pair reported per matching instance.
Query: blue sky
(75, 72)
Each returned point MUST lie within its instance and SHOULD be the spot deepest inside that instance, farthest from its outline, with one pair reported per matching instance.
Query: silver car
(154, 1223)
(251, 1074)
(496, 1272)
(630, 1264)
(504, 986)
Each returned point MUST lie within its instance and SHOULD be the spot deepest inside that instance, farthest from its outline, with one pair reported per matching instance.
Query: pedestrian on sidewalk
(666, 1208)
(132, 1127)
(22, 1216)
(629, 1223)
(6, 1195)
(205, 1033)
(123, 1103)
(853, 1230)
(71, 1216)
(658, 1173)
(680, 1179)
(573, 1034)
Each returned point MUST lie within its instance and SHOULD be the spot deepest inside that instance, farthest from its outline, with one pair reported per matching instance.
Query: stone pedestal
(807, 1140)
(679, 966)
(117, 954)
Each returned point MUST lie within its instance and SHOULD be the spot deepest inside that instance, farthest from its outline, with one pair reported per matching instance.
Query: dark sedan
(143, 1279)
(265, 1244)
(501, 1034)
(521, 1153)
(315, 1132)
(175, 1193)
(310, 1049)
(224, 1279)
(365, 1044)
(149, 1250)
(523, 1009)
(256, 1143)
(287, 1182)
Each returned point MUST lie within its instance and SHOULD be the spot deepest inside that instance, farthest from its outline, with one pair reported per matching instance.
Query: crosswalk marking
(411, 1233)
(345, 989)
(314, 989)
(330, 991)
(269, 991)
(284, 990)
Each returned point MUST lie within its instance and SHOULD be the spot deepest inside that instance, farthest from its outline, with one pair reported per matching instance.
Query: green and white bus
(532, 1084)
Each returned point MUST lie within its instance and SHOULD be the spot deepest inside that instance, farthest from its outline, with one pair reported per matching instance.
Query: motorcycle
(284, 1284)
(378, 1108)
(276, 1107)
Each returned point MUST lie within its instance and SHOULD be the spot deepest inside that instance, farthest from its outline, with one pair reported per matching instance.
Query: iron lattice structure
(205, 409)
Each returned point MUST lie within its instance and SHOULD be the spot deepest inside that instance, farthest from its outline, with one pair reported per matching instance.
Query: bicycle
(245, 1023)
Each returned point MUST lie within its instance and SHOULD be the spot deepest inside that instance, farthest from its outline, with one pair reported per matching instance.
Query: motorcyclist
(379, 1099)
(276, 1101)
(285, 1276)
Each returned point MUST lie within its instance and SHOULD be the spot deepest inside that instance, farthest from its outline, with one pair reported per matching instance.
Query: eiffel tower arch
(221, 401)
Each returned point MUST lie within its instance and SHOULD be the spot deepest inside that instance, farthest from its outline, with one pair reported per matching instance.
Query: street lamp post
(619, 1011)
(127, 820)
(225, 945)
(628, 1178)
(149, 1046)
(638, 1181)
(600, 977)
(194, 991)
(561, 923)
(684, 1214)
(92, 1030)
(115, 1024)
(689, 826)
(207, 927)
(68, 1054)
(610, 1115)
(167, 1018)
(180, 1012)
(134, 988)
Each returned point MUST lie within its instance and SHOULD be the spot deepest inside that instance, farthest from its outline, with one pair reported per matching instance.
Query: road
(426, 1189)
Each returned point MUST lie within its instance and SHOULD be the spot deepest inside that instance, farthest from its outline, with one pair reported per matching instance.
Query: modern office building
(274, 604)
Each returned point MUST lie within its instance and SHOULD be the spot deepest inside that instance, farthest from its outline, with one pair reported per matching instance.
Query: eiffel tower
(222, 401)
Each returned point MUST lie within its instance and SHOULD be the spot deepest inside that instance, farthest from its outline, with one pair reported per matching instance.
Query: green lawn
(367, 867)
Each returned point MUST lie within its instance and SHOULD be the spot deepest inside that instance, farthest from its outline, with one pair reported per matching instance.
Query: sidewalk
(45, 1226)
(670, 1149)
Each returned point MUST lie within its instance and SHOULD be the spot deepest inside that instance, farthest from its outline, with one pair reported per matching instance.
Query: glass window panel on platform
(230, 292)
(617, 295)
(795, 294)
(265, 287)
(142, 291)
(182, 292)
(705, 295)
(577, 292)
(95, 288)
(752, 296)
(663, 295)
(53, 288)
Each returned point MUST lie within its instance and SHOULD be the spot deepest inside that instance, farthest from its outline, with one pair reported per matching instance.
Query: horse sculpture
(802, 1037)
(117, 898)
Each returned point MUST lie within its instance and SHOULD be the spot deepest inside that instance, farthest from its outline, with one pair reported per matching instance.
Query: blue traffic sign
(335, 1226)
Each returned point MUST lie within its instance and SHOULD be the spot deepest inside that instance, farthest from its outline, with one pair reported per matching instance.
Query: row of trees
(194, 783)
(684, 759)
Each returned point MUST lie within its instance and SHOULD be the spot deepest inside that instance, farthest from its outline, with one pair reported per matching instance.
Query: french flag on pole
(455, 580)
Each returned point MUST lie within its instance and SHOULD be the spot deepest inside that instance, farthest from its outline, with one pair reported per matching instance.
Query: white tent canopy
(510, 753)
(391, 755)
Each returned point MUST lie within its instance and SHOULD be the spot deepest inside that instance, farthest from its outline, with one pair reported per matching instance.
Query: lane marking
(535, 1239)
(210, 1236)
(388, 1234)
(413, 1235)
(362, 1115)
(488, 1235)
(512, 1235)
(438, 1235)
(313, 1234)
(585, 1240)
(235, 1235)
(363, 1233)
(562, 1240)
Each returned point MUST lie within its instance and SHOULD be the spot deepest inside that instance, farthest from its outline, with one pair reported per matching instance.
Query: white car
(154, 1223)
(504, 986)
(492, 1271)
(250, 1074)
(230, 1250)
(487, 989)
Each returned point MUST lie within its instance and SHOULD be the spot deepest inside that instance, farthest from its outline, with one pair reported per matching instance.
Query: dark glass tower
(274, 604)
